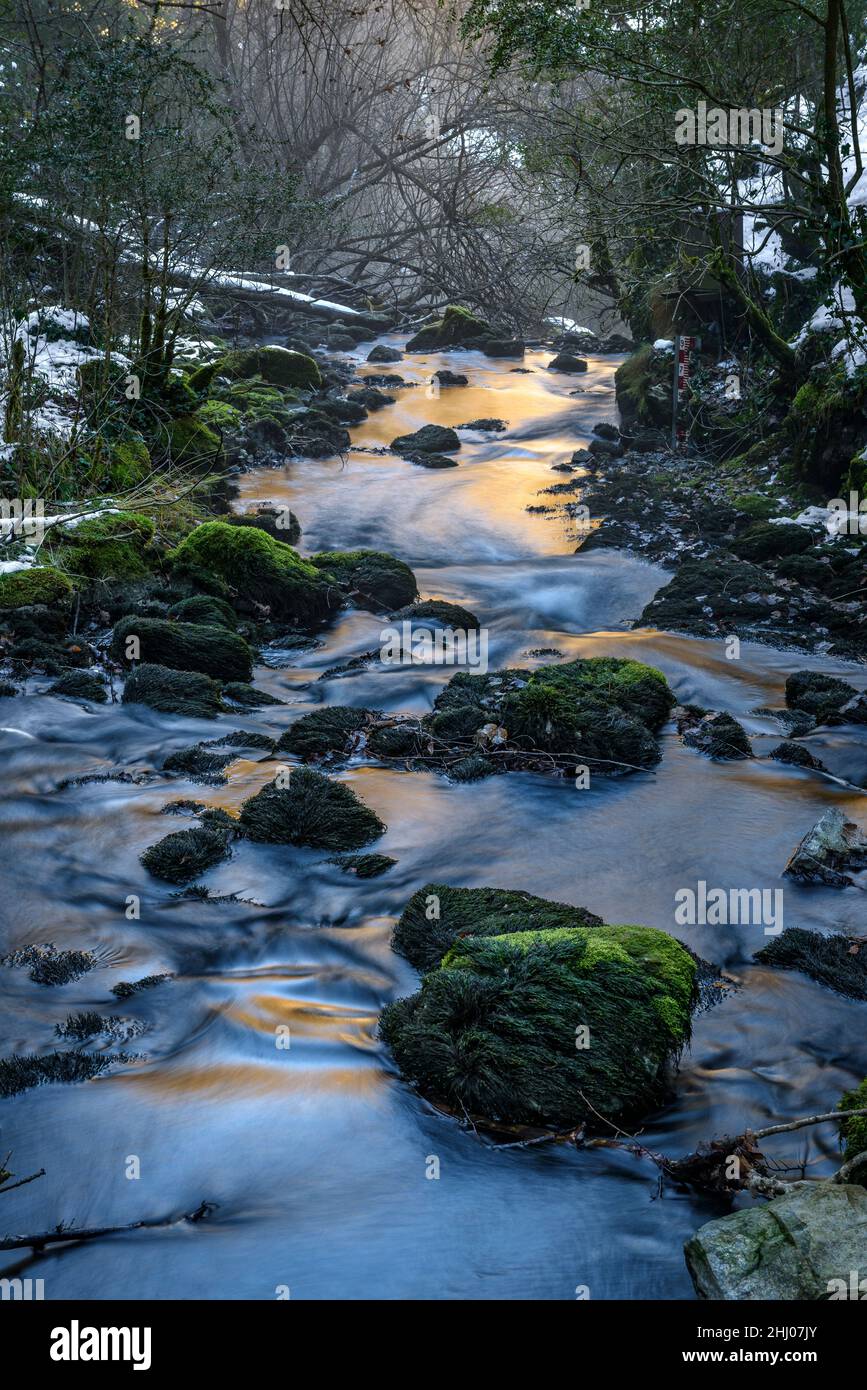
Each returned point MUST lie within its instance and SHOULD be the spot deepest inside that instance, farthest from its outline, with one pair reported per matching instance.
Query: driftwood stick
(807, 1120)
(39, 1242)
(22, 1182)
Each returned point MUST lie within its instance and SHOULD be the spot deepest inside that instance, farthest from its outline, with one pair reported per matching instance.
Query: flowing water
(317, 1155)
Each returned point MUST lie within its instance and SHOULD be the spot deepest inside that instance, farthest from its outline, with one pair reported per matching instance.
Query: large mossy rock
(275, 365)
(114, 545)
(604, 711)
(371, 578)
(437, 915)
(191, 443)
(800, 1246)
(173, 692)
(312, 810)
(185, 647)
(496, 1031)
(457, 328)
(256, 567)
(642, 386)
(30, 587)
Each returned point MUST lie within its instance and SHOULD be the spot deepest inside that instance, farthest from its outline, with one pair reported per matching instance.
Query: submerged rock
(838, 961)
(437, 916)
(430, 439)
(247, 696)
(50, 967)
(438, 612)
(432, 460)
(495, 1031)
(799, 1246)
(370, 397)
(796, 755)
(312, 810)
(566, 362)
(364, 865)
(834, 846)
(821, 696)
(449, 378)
(214, 650)
(371, 578)
(173, 692)
(382, 353)
(259, 569)
(79, 685)
(180, 857)
(714, 733)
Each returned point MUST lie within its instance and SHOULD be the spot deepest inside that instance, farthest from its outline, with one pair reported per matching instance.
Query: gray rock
(381, 353)
(430, 439)
(792, 1248)
(565, 362)
(833, 846)
(606, 448)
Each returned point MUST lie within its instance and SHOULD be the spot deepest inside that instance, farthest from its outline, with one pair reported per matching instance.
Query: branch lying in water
(38, 1243)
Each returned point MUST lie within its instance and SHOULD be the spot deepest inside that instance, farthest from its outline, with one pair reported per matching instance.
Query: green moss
(191, 442)
(113, 545)
(764, 541)
(204, 608)
(312, 810)
(130, 463)
(41, 584)
(364, 865)
(457, 326)
(856, 477)
(214, 650)
(370, 577)
(274, 364)
(494, 1031)
(183, 856)
(756, 505)
(323, 731)
(80, 685)
(437, 915)
(219, 415)
(258, 568)
(854, 1132)
(173, 692)
(632, 384)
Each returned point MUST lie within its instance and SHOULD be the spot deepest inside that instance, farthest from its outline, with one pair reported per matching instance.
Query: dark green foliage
(258, 568)
(828, 959)
(19, 1074)
(396, 741)
(312, 810)
(79, 685)
(323, 731)
(821, 696)
(173, 692)
(492, 1032)
(763, 541)
(113, 545)
(458, 724)
(199, 764)
(364, 865)
(216, 651)
(204, 608)
(460, 912)
(854, 1132)
(370, 577)
(180, 857)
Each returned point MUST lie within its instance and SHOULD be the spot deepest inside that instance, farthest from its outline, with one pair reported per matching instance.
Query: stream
(317, 1154)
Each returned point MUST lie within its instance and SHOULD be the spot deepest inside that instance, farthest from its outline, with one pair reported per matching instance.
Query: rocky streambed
(217, 862)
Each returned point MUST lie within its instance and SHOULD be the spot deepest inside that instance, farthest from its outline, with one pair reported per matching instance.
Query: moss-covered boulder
(312, 810)
(820, 695)
(437, 612)
(553, 1027)
(247, 696)
(213, 649)
(364, 865)
(181, 857)
(853, 1132)
(113, 545)
(704, 593)
(204, 608)
(438, 915)
(371, 578)
(190, 442)
(173, 692)
(715, 733)
(79, 685)
(278, 522)
(40, 584)
(259, 569)
(276, 365)
(458, 327)
(642, 386)
(323, 731)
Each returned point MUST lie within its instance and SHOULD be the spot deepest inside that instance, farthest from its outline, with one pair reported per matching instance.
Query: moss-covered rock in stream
(458, 327)
(40, 584)
(278, 522)
(113, 545)
(247, 696)
(258, 569)
(438, 915)
(853, 1132)
(801, 1246)
(173, 692)
(715, 733)
(438, 613)
(430, 439)
(19, 1074)
(327, 730)
(364, 865)
(496, 1030)
(703, 592)
(371, 578)
(206, 609)
(819, 695)
(276, 365)
(79, 685)
(837, 961)
(181, 857)
(214, 650)
(312, 810)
